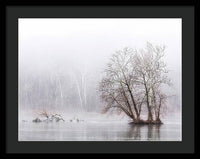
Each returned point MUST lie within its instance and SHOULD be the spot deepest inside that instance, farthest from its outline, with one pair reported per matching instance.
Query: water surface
(98, 131)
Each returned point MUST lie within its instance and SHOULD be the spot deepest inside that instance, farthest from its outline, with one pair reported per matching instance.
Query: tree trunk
(126, 99)
(150, 117)
(158, 112)
(155, 103)
(130, 92)
(134, 104)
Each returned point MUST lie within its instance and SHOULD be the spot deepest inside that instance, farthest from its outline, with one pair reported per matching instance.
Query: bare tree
(133, 79)
(152, 70)
(118, 87)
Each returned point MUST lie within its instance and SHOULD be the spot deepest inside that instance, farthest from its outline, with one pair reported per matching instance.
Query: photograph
(100, 79)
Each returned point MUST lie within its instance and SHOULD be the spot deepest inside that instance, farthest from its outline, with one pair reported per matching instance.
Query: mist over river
(84, 72)
(99, 130)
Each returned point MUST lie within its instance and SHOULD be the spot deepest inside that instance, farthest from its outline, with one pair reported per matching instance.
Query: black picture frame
(12, 10)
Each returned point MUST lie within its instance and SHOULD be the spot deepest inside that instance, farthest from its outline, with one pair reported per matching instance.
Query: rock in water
(37, 120)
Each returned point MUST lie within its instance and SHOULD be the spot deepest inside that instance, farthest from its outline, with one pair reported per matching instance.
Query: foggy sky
(68, 44)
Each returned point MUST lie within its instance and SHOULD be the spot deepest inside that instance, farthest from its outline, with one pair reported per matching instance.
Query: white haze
(69, 46)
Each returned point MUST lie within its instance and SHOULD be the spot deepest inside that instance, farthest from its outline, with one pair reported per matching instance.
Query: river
(98, 131)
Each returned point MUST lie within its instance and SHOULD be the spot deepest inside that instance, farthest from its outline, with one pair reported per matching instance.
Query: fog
(61, 60)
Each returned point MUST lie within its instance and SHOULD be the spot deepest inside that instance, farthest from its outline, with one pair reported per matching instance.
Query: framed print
(100, 79)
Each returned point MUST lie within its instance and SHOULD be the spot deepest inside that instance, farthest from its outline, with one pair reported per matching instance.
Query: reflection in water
(152, 132)
(98, 132)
